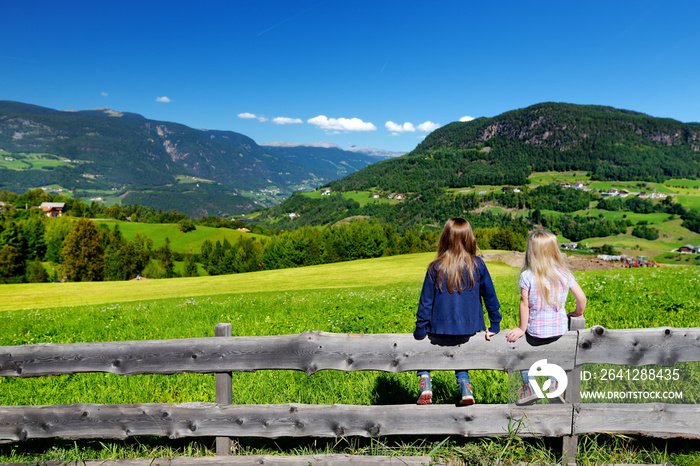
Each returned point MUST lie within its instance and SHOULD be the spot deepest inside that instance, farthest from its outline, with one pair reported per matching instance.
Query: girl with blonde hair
(450, 308)
(545, 283)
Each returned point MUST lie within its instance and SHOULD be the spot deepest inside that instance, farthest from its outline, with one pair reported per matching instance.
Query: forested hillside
(609, 143)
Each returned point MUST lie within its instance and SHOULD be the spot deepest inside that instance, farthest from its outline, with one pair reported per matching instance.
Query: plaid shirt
(546, 320)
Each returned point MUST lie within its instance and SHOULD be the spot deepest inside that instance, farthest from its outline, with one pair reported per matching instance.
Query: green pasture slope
(22, 161)
(190, 242)
(369, 296)
(361, 197)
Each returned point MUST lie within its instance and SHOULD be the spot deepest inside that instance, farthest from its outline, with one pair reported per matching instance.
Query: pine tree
(83, 257)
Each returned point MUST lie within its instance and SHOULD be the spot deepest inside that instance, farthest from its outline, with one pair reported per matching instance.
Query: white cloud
(163, 99)
(428, 126)
(466, 118)
(397, 129)
(341, 124)
(104, 94)
(286, 121)
(252, 116)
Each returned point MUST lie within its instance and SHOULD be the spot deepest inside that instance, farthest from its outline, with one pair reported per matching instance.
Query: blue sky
(382, 74)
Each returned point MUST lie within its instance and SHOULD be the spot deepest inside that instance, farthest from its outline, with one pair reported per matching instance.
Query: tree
(83, 257)
(36, 273)
(33, 232)
(11, 265)
(55, 232)
(126, 262)
(186, 225)
(190, 266)
(165, 256)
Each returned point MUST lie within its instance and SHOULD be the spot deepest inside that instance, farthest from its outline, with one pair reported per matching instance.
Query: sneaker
(426, 393)
(465, 390)
(553, 388)
(525, 395)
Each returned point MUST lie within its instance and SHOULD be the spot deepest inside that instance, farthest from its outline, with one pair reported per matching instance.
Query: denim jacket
(458, 313)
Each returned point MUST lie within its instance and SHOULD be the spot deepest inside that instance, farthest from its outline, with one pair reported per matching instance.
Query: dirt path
(575, 263)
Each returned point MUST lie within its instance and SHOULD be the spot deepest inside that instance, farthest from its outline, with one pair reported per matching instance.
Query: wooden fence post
(224, 392)
(573, 396)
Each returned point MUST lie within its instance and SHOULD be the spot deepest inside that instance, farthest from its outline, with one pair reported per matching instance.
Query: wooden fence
(315, 351)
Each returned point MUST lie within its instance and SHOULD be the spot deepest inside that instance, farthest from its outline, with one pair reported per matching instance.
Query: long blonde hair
(543, 258)
(455, 252)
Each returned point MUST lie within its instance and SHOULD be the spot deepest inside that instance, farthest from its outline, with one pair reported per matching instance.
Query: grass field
(384, 271)
(671, 233)
(179, 241)
(692, 202)
(633, 186)
(540, 178)
(362, 197)
(31, 161)
(369, 296)
(475, 189)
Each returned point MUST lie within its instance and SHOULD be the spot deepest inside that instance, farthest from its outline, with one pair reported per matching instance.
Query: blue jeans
(449, 340)
(536, 341)
(461, 375)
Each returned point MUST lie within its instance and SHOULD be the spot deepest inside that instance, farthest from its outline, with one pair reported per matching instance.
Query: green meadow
(541, 178)
(30, 161)
(474, 189)
(368, 296)
(692, 202)
(361, 197)
(190, 242)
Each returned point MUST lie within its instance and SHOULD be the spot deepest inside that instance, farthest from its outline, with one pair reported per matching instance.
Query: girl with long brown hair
(450, 309)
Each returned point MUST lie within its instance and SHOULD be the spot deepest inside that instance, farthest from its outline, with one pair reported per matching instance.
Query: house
(375, 196)
(687, 249)
(243, 230)
(569, 246)
(400, 196)
(293, 215)
(325, 192)
(516, 190)
(53, 209)
(578, 185)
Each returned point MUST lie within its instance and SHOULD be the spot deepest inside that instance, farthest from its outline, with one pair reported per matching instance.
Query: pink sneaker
(426, 391)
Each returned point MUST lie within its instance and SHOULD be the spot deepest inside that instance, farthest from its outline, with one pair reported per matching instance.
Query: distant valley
(112, 156)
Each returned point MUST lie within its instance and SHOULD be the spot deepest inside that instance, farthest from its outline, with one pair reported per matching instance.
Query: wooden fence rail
(314, 351)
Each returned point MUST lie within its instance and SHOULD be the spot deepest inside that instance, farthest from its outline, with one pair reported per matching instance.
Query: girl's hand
(490, 334)
(513, 334)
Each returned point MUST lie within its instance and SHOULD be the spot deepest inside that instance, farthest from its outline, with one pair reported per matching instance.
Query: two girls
(457, 282)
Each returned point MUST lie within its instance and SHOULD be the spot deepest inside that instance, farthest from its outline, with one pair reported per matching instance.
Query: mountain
(102, 152)
(609, 143)
(325, 160)
(375, 152)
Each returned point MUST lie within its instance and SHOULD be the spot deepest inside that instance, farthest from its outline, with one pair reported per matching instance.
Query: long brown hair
(455, 252)
(543, 258)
